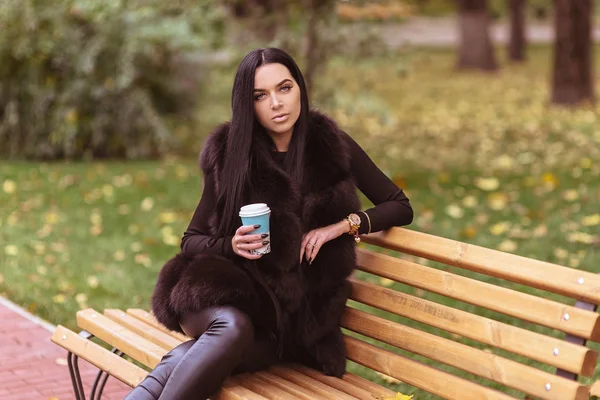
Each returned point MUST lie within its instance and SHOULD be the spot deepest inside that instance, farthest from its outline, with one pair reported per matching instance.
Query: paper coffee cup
(257, 214)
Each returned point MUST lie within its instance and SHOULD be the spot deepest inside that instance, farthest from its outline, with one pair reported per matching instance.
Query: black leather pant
(225, 343)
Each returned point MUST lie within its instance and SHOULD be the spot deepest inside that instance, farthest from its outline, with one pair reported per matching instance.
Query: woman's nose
(275, 102)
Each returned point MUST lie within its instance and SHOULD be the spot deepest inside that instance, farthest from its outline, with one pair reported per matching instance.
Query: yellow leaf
(136, 247)
(51, 218)
(147, 204)
(455, 211)
(570, 195)
(388, 379)
(11, 250)
(133, 229)
(124, 209)
(81, 297)
(497, 201)
(586, 163)
(487, 184)
(59, 298)
(469, 232)
(9, 186)
(550, 180)
(386, 282)
(108, 190)
(96, 230)
(500, 228)
(399, 396)
(508, 246)
(92, 281)
(167, 217)
(591, 220)
(61, 361)
(561, 253)
(469, 201)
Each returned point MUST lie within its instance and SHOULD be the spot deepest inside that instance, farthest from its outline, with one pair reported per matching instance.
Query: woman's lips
(281, 118)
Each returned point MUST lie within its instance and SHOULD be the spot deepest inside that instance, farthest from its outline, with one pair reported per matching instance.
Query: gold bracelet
(368, 220)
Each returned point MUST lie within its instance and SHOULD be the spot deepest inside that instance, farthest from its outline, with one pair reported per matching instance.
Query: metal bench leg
(75, 376)
(102, 375)
(576, 340)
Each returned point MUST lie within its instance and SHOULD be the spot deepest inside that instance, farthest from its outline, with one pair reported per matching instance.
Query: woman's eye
(286, 88)
(259, 96)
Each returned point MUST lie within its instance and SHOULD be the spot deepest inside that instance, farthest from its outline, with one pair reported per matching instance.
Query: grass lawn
(482, 158)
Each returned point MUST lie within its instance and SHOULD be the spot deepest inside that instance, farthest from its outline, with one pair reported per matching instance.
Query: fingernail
(266, 242)
(256, 226)
(264, 235)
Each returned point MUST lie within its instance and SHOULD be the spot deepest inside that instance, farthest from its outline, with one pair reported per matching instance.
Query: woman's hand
(313, 240)
(242, 243)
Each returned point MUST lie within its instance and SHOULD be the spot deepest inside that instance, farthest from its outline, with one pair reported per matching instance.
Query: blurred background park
(484, 112)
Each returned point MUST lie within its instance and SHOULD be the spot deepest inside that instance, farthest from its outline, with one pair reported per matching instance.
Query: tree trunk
(516, 47)
(572, 77)
(476, 50)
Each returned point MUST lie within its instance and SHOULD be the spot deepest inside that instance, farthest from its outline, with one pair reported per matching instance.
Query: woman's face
(276, 99)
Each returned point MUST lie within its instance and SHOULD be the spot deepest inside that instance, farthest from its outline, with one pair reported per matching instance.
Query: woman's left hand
(313, 240)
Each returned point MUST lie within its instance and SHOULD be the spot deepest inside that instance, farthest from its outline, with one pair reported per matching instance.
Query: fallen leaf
(591, 220)
(487, 184)
(92, 281)
(9, 186)
(59, 298)
(61, 361)
(11, 250)
(386, 282)
(570, 195)
(500, 228)
(497, 201)
(455, 211)
(508, 245)
(147, 204)
(469, 201)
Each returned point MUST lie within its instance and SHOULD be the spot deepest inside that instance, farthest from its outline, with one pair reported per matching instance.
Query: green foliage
(83, 78)
(482, 158)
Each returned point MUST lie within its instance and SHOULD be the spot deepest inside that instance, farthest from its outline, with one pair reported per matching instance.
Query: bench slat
(98, 356)
(261, 387)
(417, 374)
(495, 368)
(146, 331)
(534, 273)
(337, 383)
(237, 393)
(310, 383)
(290, 387)
(581, 323)
(149, 319)
(369, 386)
(120, 337)
(570, 357)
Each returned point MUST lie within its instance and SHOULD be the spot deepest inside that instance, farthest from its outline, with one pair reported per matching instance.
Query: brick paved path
(32, 367)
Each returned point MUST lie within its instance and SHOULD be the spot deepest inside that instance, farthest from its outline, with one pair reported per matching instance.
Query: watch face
(355, 219)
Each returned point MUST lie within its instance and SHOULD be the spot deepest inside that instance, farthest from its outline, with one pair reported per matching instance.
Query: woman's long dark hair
(245, 129)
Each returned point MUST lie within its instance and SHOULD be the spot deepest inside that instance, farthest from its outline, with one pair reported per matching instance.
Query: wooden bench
(509, 328)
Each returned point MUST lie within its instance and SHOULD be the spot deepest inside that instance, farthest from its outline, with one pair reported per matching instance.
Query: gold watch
(354, 221)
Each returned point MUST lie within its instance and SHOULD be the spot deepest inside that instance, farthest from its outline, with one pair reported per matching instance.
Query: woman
(246, 311)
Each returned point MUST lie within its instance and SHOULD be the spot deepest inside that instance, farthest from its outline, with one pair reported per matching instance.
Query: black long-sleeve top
(392, 207)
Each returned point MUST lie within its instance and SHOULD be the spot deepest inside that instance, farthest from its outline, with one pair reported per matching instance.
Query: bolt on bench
(496, 352)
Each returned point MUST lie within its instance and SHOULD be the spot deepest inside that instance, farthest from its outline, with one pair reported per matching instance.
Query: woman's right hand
(242, 243)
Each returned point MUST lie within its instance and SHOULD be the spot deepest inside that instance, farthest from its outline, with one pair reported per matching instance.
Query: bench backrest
(498, 317)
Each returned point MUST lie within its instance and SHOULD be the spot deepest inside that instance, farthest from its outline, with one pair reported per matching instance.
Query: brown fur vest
(307, 300)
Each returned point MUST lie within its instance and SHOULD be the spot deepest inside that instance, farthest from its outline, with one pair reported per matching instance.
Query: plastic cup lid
(253, 210)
